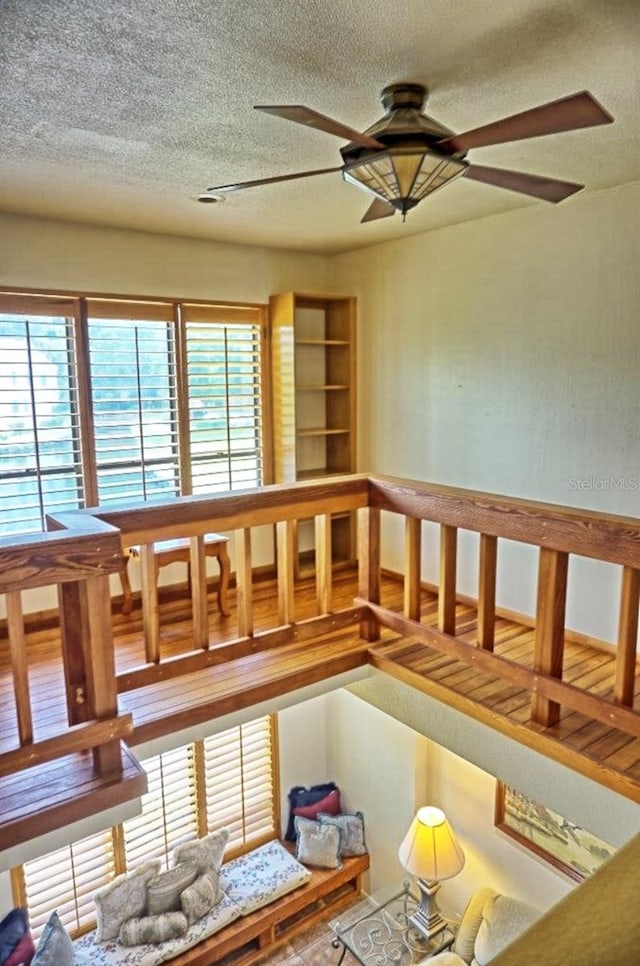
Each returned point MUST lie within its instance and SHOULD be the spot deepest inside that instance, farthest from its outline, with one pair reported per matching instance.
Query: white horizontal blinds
(240, 785)
(65, 881)
(134, 395)
(40, 445)
(224, 387)
(169, 809)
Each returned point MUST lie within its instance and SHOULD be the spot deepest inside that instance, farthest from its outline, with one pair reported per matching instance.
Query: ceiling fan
(407, 155)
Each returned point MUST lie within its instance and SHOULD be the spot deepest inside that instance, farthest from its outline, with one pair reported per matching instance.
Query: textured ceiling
(119, 112)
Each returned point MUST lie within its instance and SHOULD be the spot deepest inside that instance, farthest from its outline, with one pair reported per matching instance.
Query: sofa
(489, 924)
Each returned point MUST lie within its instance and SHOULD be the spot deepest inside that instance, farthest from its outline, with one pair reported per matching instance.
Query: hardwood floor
(592, 748)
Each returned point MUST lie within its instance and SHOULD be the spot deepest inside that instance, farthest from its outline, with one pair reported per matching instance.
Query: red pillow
(330, 804)
(23, 952)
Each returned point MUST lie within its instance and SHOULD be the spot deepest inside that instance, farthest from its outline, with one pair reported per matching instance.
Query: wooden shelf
(322, 388)
(323, 342)
(322, 431)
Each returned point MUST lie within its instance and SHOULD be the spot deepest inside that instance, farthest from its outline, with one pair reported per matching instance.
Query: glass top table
(377, 931)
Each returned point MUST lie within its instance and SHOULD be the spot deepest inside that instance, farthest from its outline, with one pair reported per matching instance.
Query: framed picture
(568, 847)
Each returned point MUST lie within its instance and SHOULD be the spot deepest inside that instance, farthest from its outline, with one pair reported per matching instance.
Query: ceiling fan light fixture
(403, 176)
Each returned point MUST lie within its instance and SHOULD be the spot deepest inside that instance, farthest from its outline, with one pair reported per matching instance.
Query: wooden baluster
(323, 562)
(487, 591)
(549, 639)
(626, 655)
(244, 589)
(285, 541)
(369, 567)
(72, 598)
(102, 686)
(412, 567)
(19, 666)
(150, 613)
(198, 586)
(447, 590)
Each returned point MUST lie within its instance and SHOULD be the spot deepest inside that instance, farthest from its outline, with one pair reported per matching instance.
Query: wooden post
(369, 567)
(285, 541)
(549, 640)
(74, 623)
(487, 591)
(150, 613)
(244, 590)
(412, 566)
(102, 686)
(19, 666)
(322, 524)
(447, 590)
(626, 655)
(198, 583)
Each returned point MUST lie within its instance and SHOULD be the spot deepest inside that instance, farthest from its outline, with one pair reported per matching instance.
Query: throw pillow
(206, 853)
(504, 919)
(317, 844)
(55, 947)
(164, 890)
(329, 805)
(12, 928)
(299, 796)
(22, 954)
(352, 828)
(123, 898)
(152, 929)
(201, 896)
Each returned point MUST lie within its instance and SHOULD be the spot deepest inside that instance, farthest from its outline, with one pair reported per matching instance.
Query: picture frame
(570, 848)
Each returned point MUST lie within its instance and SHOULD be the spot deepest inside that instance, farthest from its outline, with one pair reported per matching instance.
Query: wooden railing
(84, 547)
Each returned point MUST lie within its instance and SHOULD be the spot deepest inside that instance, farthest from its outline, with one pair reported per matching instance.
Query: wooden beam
(102, 690)
(549, 639)
(369, 566)
(81, 737)
(412, 567)
(447, 588)
(72, 600)
(19, 666)
(626, 655)
(487, 590)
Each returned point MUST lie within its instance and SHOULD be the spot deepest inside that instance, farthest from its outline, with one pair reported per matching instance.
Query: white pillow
(504, 919)
(122, 899)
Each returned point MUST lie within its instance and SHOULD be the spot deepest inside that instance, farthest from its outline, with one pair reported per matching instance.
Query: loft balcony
(79, 696)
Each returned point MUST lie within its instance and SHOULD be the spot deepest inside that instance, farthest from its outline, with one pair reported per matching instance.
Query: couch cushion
(257, 878)
(504, 919)
(470, 923)
(123, 898)
(114, 954)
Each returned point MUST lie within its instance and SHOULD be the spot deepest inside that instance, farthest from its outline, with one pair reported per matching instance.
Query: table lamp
(430, 851)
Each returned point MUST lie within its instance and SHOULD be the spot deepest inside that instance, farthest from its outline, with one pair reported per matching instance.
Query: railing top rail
(604, 536)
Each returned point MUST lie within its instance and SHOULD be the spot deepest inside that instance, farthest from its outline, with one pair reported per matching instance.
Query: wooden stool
(166, 552)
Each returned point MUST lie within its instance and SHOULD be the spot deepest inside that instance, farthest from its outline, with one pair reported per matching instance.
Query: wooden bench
(252, 937)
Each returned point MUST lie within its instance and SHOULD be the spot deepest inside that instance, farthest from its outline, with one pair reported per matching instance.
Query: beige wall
(503, 355)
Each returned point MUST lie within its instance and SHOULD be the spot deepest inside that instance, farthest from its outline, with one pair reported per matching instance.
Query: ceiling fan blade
(282, 177)
(378, 209)
(549, 189)
(304, 115)
(567, 114)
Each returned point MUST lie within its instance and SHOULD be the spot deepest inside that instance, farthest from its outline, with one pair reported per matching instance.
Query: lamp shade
(403, 176)
(430, 850)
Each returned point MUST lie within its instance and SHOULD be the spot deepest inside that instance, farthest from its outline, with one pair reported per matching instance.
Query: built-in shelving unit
(314, 366)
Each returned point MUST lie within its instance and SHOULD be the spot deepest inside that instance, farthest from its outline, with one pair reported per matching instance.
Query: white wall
(503, 355)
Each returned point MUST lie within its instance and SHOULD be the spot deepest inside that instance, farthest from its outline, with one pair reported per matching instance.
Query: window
(110, 400)
(40, 456)
(226, 781)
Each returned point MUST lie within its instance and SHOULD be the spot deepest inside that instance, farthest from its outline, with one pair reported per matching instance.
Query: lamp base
(427, 918)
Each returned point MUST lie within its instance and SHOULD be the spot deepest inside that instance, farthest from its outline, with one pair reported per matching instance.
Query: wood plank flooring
(591, 748)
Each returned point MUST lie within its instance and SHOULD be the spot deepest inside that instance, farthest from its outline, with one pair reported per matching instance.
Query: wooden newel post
(369, 567)
(74, 630)
(549, 640)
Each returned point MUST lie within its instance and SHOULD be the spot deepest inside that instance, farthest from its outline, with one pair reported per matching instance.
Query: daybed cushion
(115, 954)
(261, 876)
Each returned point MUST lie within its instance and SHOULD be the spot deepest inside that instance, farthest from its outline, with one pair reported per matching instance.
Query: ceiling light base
(395, 96)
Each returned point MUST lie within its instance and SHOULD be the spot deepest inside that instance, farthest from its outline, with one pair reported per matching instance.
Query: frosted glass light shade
(430, 850)
(403, 176)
